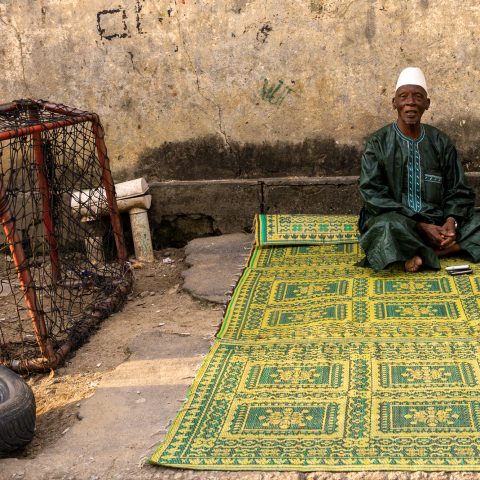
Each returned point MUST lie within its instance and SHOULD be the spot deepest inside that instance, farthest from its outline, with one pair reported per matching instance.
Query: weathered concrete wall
(242, 88)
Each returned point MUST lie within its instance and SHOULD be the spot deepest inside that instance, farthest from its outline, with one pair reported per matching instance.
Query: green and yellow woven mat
(323, 365)
(305, 229)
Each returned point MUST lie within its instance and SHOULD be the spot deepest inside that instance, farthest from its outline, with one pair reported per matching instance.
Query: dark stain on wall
(312, 157)
(424, 3)
(470, 158)
(464, 134)
(239, 5)
(210, 158)
(200, 158)
(316, 6)
(138, 19)
(370, 27)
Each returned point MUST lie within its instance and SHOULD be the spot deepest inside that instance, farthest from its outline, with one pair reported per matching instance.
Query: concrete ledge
(313, 198)
(340, 180)
(184, 210)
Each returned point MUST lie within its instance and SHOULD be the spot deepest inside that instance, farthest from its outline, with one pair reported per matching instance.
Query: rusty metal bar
(76, 116)
(20, 132)
(8, 107)
(43, 105)
(112, 303)
(108, 185)
(44, 188)
(26, 281)
(62, 109)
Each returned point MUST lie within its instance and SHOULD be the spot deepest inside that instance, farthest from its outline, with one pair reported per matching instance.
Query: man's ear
(428, 104)
(394, 104)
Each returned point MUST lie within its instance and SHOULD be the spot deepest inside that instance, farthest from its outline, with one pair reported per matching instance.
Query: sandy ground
(104, 411)
(59, 395)
(158, 310)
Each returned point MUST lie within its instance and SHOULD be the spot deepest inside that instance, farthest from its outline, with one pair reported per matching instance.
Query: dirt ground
(59, 395)
(156, 304)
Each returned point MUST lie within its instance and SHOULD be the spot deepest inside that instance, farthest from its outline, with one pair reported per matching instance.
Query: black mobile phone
(467, 271)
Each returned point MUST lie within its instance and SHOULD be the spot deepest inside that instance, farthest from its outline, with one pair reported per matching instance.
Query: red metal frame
(26, 281)
(109, 187)
(46, 198)
(72, 116)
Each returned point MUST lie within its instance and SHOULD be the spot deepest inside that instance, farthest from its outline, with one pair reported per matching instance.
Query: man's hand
(440, 237)
(449, 232)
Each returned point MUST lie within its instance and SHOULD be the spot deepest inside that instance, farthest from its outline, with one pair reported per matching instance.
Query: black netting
(55, 202)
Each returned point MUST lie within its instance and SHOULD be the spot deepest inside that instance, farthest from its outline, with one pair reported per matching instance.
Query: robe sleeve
(374, 188)
(458, 199)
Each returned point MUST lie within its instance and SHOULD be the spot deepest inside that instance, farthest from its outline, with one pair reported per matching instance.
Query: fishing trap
(63, 261)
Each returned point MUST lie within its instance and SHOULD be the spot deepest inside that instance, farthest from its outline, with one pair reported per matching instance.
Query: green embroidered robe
(405, 180)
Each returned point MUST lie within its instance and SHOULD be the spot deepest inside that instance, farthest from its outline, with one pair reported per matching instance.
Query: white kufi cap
(411, 76)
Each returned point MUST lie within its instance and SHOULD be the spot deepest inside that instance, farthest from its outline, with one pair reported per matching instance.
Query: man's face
(410, 101)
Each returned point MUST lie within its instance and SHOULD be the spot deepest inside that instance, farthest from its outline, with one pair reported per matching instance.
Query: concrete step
(183, 210)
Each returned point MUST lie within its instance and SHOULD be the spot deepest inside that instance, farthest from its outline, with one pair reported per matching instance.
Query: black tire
(17, 411)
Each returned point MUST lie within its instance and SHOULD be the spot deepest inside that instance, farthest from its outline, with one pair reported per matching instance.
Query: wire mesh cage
(63, 263)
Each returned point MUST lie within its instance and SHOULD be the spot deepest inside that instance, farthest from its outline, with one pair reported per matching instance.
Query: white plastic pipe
(142, 240)
(131, 198)
(94, 202)
(123, 204)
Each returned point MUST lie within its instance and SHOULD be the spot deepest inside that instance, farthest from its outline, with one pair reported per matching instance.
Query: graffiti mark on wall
(263, 33)
(125, 21)
(112, 24)
(138, 9)
(275, 94)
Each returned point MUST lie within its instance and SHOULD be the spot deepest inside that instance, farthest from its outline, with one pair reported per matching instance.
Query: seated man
(417, 206)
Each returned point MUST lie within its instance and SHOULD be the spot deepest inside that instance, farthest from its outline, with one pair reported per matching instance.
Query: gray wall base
(183, 210)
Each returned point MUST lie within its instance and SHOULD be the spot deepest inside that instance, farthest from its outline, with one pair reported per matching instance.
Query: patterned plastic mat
(305, 229)
(323, 365)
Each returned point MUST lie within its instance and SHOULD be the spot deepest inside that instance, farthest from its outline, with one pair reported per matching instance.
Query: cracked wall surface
(243, 88)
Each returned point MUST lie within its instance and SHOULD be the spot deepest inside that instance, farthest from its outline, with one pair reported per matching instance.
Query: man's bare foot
(413, 264)
(453, 248)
